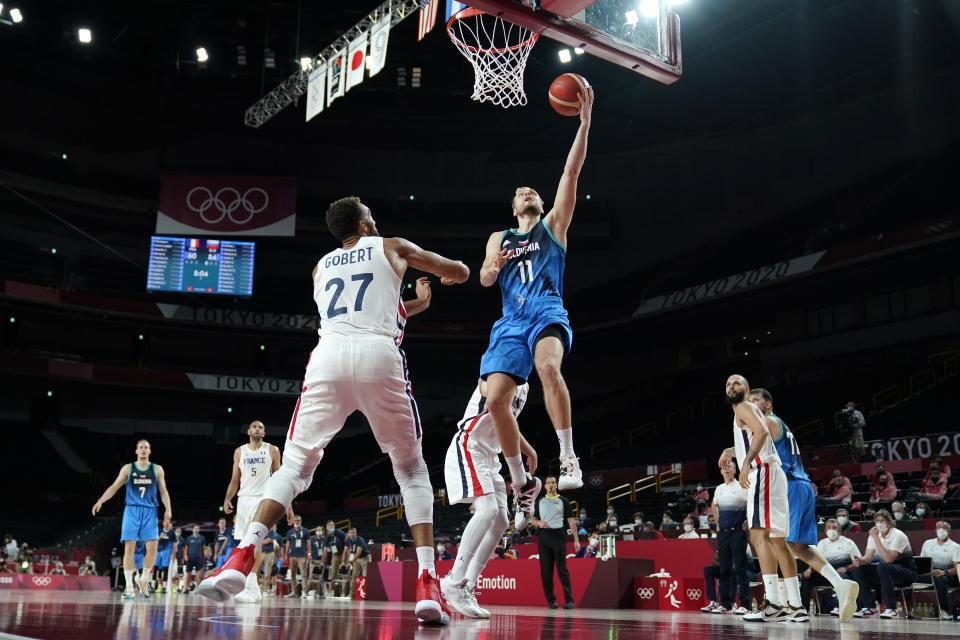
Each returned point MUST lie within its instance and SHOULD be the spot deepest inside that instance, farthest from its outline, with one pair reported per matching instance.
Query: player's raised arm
(162, 490)
(449, 271)
(112, 489)
(493, 260)
(422, 301)
(558, 220)
(234, 483)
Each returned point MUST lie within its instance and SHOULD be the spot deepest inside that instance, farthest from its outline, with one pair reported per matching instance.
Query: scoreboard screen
(200, 265)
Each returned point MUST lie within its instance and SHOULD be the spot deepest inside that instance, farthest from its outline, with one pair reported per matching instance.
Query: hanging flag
(315, 90)
(336, 76)
(428, 18)
(379, 36)
(452, 7)
(356, 60)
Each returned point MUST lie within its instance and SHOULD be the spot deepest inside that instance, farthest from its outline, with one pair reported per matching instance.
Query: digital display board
(200, 265)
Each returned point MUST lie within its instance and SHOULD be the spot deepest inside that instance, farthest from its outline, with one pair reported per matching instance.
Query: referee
(549, 515)
(730, 509)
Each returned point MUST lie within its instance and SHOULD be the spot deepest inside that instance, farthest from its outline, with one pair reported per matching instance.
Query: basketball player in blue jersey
(143, 480)
(802, 537)
(528, 263)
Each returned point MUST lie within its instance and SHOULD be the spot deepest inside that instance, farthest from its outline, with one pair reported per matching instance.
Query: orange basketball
(563, 93)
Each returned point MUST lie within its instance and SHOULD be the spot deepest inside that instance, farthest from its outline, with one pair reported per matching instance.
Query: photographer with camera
(853, 421)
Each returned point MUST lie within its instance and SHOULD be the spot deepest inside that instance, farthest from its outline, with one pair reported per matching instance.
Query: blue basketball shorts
(803, 512)
(512, 342)
(139, 523)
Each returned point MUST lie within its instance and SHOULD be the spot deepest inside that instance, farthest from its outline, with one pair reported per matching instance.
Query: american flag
(428, 18)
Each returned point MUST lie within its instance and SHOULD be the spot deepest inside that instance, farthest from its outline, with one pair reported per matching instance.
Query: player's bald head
(740, 379)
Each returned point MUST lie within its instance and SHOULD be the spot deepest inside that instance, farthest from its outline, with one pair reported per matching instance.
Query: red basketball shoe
(230, 579)
(430, 608)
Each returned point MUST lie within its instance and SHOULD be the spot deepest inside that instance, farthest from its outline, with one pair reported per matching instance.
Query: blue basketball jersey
(142, 486)
(533, 277)
(789, 451)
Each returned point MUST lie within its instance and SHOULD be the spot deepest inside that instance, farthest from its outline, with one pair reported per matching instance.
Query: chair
(924, 569)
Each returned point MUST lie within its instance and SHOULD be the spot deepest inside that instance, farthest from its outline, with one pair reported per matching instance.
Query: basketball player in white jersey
(253, 464)
(767, 513)
(472, 473)
(356, 365)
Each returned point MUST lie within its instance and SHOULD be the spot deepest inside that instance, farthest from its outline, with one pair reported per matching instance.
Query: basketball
(563, 93)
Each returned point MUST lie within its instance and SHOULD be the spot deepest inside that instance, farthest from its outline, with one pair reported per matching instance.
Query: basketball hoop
(498, 51)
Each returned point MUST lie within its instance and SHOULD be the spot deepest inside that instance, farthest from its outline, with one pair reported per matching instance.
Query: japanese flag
(356, 60)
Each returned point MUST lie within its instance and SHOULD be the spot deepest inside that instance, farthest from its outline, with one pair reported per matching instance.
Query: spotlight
(631, 17)
(306, 64)
(64, 156)
(578, 51)
(263, 347)
(202, 55)
(15, 15)
(84, 36)
(564, 55)
(649, 8)
(411, 196)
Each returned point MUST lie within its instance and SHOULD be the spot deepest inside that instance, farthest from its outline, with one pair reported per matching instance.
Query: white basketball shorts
(471, 471)
(767, 500)
(365, 373)
(246, 509)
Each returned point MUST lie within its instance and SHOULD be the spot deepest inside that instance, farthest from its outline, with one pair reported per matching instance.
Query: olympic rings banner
(227, 206)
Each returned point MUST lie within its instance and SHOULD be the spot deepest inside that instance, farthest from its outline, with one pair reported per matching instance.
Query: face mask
(833, 534)
(921, 511)
(942, 534)
(609, 511)
(699, 488)
(613, 523)
(882, 527)
(898, 515)
(638, 521)
(883, 483)
(594, 542)
(583, 514)
(688, 528)
(842, 521)
(330, 529)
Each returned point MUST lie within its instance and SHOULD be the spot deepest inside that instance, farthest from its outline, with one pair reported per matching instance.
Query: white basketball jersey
(254, 469)
(357, 292)
(742, 439)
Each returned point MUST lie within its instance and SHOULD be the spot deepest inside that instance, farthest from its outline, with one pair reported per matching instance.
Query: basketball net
(497, 50)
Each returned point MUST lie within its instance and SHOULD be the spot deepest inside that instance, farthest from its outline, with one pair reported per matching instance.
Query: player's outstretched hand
(290, 516)
(227, 507)
(745, 477)
(532, 461)
(448, 281)
(500, 260)
(586, 104)
(96, 507)
(423, 289)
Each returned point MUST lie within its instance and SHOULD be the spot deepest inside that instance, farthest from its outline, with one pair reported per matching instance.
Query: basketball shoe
(430, 608)
(571, 477)
(229, 579)
(768, 612)
(462, 598)
(251, 592)
(524, 498)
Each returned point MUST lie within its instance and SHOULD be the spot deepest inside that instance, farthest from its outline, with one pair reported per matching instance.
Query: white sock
(129, 576)
(256, 532)
(518, 475)
(793, 592)
(770, 588)
(565, 436)
(252, 583)
(484, 551)
(782, 591)
(145, 575)
(828, 572)
(425, 558)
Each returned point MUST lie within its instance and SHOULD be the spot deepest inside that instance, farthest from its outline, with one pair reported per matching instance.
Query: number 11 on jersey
(526, 275)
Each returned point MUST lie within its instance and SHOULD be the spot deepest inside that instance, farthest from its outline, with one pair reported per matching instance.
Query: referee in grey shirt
(552, 516)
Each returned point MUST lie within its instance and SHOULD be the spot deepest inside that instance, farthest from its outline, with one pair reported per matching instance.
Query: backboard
(641, 35)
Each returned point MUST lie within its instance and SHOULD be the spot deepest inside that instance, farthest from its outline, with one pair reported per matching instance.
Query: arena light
(263, 347)
(202, 55)
(411, 196)
(649, 8)
(578, 51)
(564, 55)
(84, 35)
(12, 319)
(53, 250)
(64, 156)
(306, 64)
(632, 17)
(49, 394)
(15, 15)
(588, 196)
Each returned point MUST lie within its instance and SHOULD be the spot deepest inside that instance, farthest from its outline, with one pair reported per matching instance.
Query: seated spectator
(934, 487)
(581, 530)
(887, 562)
(900, 512)
(25, 559)
(689, 530)
(638, 520)
(924, 510)
(88, 568)
(585, 520)
(944, 467)
(839, 489)
(868, 514)
(610, 512)
(506, 551)
(883, 491)
(880, 470)
(700, 514)
(712, 522)
(650, 532)
(945, 554)
(667, 522)
(442, 553)
(701, 493)
(844, 524)
(612, 523)
(590, 549)
(57, 569)
(602, 528)
(10, 546)
(843, 555)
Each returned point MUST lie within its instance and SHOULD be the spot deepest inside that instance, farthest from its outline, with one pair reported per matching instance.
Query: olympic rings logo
(226, 201)
(42, 581)
(694, 594)
(645, 593)
(937, 227)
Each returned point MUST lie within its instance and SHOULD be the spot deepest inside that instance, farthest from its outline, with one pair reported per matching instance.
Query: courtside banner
(227, 206)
